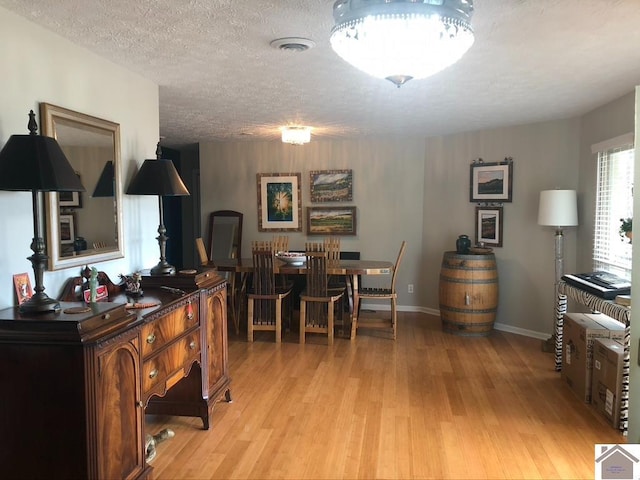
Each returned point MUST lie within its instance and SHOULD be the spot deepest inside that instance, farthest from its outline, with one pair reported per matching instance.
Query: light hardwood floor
(429, 405)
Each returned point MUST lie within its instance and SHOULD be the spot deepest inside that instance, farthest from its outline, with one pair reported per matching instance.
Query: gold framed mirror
(84, 227)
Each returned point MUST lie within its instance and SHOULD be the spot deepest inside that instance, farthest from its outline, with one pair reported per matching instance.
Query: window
(614, 201)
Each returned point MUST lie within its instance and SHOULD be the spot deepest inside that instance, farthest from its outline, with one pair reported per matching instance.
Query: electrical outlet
(410, 288)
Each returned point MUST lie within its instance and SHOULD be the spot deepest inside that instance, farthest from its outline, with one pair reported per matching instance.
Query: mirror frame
(49, 114)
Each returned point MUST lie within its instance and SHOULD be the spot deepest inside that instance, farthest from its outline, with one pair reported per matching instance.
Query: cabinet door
(119, 412)
(216, 332)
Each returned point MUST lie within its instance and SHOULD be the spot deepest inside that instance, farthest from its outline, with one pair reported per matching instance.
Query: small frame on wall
(67, 228)
(279, 207)
(23, 287)
(70, 199)
(331, 220)
(331, 185)
(491, 182)
(489, 226)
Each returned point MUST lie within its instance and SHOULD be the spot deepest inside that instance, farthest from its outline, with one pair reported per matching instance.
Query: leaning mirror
(84, 227)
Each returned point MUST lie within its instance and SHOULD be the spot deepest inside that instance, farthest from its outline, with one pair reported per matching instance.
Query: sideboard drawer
(172, 364)
(162, 331)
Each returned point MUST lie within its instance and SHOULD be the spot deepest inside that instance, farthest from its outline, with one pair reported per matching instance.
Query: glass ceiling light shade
(296, 135)
(402, 39)
(37, 164)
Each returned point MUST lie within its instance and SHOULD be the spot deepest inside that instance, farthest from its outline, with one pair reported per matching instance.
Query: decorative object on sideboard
(37, 164)
(402, 39)
(626, 229)
(23, 287)
(559, 209)
(159, 177)
(132, 284)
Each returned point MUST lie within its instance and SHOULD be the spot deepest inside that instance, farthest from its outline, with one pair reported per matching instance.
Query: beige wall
(40, 66)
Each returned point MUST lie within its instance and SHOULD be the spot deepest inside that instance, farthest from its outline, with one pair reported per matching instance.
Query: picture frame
(491, 182)
(331, 185)
(67, 228)
(331, 220)
(489, 226)
(279, 207)
(70, 199)
(23, 287)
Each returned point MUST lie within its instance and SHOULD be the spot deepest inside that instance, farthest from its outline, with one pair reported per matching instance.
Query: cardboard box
(579, 334)
(606, 379)
(616, 328)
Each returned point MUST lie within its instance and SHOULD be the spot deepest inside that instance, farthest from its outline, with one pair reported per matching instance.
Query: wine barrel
(468, 293)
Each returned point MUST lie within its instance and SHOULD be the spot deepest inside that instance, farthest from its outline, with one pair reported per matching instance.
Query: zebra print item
(618, 312)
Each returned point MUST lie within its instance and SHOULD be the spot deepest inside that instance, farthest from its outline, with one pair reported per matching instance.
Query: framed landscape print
(491, 182)
(489, 226)
(331, 220)
(331, 185)
(279, 207)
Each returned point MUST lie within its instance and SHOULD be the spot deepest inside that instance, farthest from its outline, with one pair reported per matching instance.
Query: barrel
(468, 293)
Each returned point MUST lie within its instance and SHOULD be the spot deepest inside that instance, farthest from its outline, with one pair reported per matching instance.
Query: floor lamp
(35, 164)
(559, 209)
(159, 177)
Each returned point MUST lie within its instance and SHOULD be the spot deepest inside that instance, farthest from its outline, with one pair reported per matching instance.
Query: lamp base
(40, 303)
(163, 268)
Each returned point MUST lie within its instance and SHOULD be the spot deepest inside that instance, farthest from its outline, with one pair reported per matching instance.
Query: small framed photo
(67, 228)
(331, 185)
(70, 199)
(23, 287)
(331, 220)
(279, 207)
(489, 226)
(491, 182)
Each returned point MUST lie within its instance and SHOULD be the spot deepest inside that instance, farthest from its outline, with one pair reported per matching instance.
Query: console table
(76, 386)
(618, 312)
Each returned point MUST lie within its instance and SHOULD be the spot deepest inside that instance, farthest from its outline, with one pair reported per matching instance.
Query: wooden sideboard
(75, 386)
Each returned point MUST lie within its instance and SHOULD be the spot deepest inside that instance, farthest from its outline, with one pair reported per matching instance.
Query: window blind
(614, 201)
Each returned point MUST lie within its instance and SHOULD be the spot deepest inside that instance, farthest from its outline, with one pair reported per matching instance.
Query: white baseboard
(431, 311)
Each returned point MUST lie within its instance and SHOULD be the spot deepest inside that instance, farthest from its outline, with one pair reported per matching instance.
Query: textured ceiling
(220, 79)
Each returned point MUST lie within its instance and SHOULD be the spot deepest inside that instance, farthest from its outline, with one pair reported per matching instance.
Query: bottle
(93, 285)
(463, 244)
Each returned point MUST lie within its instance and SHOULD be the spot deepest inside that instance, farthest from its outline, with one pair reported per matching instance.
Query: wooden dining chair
(318, 304)
(265, 298)
(387, 293)
(280, 243)
(337, 283)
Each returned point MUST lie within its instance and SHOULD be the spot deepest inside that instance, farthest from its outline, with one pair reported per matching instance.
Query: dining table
(351, 270)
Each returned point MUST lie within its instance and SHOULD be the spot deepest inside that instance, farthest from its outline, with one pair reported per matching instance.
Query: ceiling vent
(293, 44)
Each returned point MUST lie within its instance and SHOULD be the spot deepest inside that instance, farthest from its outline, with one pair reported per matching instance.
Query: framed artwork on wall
(491, 182)
(489, 226)
(331, 185)
(331, 220)
(67, 228)
(279, 207)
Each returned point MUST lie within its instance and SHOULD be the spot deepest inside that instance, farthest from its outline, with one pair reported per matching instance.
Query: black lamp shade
(104, 187)
(36, 163)
(157, 177)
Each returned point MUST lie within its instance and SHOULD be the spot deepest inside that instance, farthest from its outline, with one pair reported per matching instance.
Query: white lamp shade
(558, 208)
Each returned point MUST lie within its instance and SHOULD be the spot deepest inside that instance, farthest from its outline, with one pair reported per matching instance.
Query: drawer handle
(140, 404)
(106, 316)
(190, 315)
(151, 338)
(192, 345)
(153, 373)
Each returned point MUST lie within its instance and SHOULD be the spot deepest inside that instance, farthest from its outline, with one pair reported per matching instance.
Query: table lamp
(37, 164)
(159, 177)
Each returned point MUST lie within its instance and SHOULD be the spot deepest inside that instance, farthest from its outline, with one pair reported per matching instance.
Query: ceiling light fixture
(296, 135)
(402, 39)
